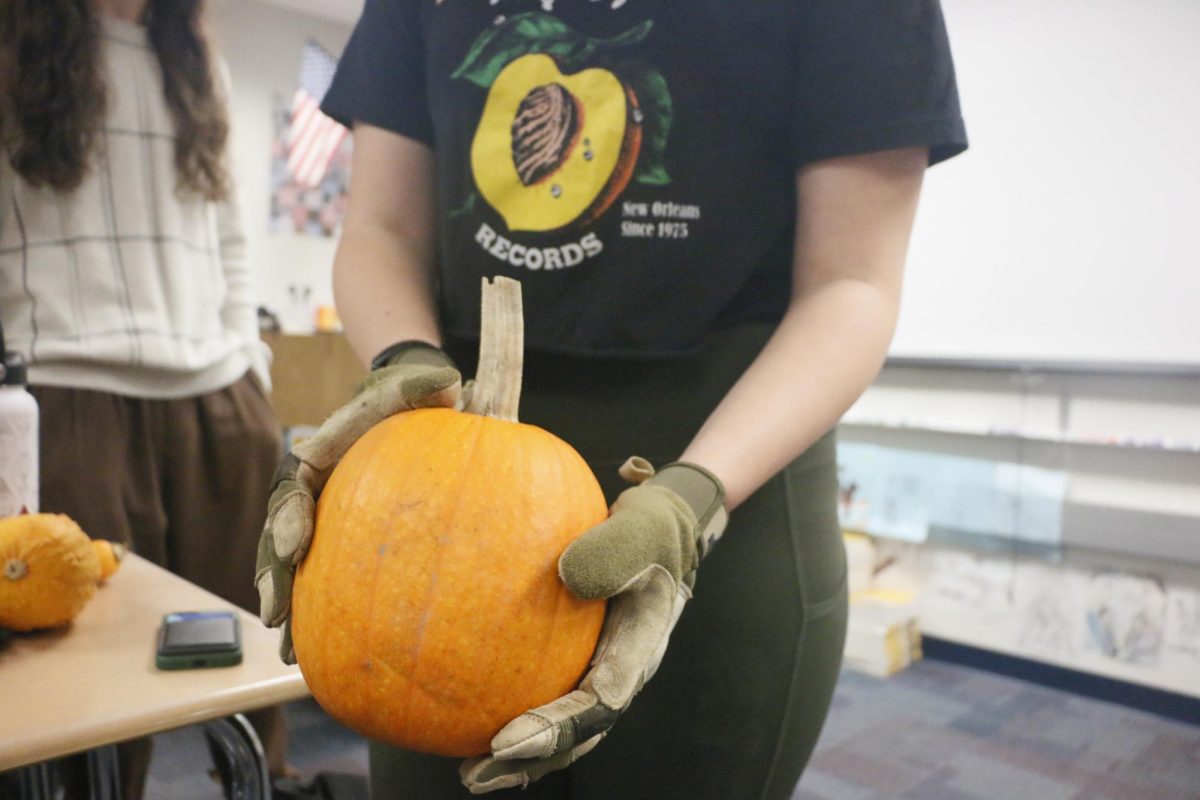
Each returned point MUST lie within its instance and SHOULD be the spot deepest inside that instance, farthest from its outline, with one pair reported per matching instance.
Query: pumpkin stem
(497, 390)
(15, 569)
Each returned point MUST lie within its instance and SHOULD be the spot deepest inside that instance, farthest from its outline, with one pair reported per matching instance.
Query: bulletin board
(1069, 233)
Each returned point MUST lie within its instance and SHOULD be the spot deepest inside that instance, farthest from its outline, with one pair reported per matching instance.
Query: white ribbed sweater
(127, 285)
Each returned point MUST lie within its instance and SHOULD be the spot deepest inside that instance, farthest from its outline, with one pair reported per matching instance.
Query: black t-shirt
(632, 162)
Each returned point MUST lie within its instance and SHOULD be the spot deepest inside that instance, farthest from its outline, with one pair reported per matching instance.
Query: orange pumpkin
(428, 612)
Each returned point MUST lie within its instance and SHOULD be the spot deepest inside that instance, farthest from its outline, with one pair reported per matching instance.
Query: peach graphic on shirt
(564, 127)
(553, 148)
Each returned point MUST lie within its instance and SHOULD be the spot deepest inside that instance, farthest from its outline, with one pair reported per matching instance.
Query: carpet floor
(937, 731)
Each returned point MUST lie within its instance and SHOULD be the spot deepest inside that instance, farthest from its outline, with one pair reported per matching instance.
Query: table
(95, 682)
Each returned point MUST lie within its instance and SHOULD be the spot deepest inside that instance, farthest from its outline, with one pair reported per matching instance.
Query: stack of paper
(860, 561)
(882, 636)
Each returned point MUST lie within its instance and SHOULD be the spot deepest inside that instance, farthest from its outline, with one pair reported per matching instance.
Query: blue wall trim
(1155, 701)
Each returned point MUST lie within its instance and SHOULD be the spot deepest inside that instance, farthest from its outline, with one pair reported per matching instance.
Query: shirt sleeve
(874, 75)
(380, 79)
(239, 314)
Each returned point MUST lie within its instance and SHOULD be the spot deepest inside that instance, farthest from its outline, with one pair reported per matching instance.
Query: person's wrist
(412, 351)
(704, 494)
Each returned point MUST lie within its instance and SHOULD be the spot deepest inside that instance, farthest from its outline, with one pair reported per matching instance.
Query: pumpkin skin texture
(428, 612)
(48, 571)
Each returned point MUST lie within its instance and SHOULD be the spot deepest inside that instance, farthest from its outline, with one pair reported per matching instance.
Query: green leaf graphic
(632, 36)
(535, 32)
(573, 62)
(468, 207)
(524, 33)
(654, 102)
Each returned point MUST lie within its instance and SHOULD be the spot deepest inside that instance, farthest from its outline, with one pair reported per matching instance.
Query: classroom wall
(262, 44)
(1048, 321)
(1129, 444)
(1064, 233)
(1119, 596)
(1130, 619)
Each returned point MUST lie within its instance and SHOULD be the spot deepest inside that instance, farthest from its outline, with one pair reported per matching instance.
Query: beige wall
(262, 44)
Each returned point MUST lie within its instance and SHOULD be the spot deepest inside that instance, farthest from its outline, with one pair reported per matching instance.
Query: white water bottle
(18, 438)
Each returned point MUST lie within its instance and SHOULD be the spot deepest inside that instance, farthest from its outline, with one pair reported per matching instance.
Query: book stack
(882, 636)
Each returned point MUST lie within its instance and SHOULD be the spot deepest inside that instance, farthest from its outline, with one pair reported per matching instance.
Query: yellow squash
(48, 571)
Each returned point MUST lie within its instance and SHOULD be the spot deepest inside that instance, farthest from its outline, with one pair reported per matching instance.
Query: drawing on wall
(310, 155)
(967, 584)
(1045, 599)
(904, 494)
(1183, 623)
(882, 491)
(1126, 617)
(861, 468)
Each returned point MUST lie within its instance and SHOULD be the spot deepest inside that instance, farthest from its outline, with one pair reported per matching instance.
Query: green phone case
(198, 639)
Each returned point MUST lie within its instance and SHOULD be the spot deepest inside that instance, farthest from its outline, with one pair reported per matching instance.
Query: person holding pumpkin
(708, 209)
(124, 284)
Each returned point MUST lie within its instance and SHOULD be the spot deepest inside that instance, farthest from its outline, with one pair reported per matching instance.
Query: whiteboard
(1069, 232)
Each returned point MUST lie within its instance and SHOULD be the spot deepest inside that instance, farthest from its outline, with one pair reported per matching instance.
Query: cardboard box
(312, 375)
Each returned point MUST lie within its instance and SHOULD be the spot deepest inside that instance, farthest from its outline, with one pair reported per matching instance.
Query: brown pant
(183, 483)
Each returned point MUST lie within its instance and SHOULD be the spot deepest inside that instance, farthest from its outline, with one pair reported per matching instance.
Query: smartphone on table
(195, 639)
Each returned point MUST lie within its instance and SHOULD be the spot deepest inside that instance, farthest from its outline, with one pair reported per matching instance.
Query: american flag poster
(310, 162)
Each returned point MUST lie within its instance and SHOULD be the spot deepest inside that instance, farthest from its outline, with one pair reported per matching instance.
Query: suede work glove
(643, 558)
(405, 376)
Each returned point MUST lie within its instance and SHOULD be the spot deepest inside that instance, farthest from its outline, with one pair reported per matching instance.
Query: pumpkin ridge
(373, 623)
(346, 550)
(575, 500)
(430, 593)
(432, 693)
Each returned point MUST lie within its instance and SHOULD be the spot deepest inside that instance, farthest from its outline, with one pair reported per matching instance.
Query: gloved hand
(404, 376)
(644, 559)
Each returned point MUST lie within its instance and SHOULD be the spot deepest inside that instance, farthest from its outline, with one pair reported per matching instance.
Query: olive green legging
(738, 703)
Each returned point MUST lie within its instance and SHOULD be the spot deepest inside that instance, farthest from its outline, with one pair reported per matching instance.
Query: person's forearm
(384, 290)
(824, 354)
(383, 270)
(853, 223)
